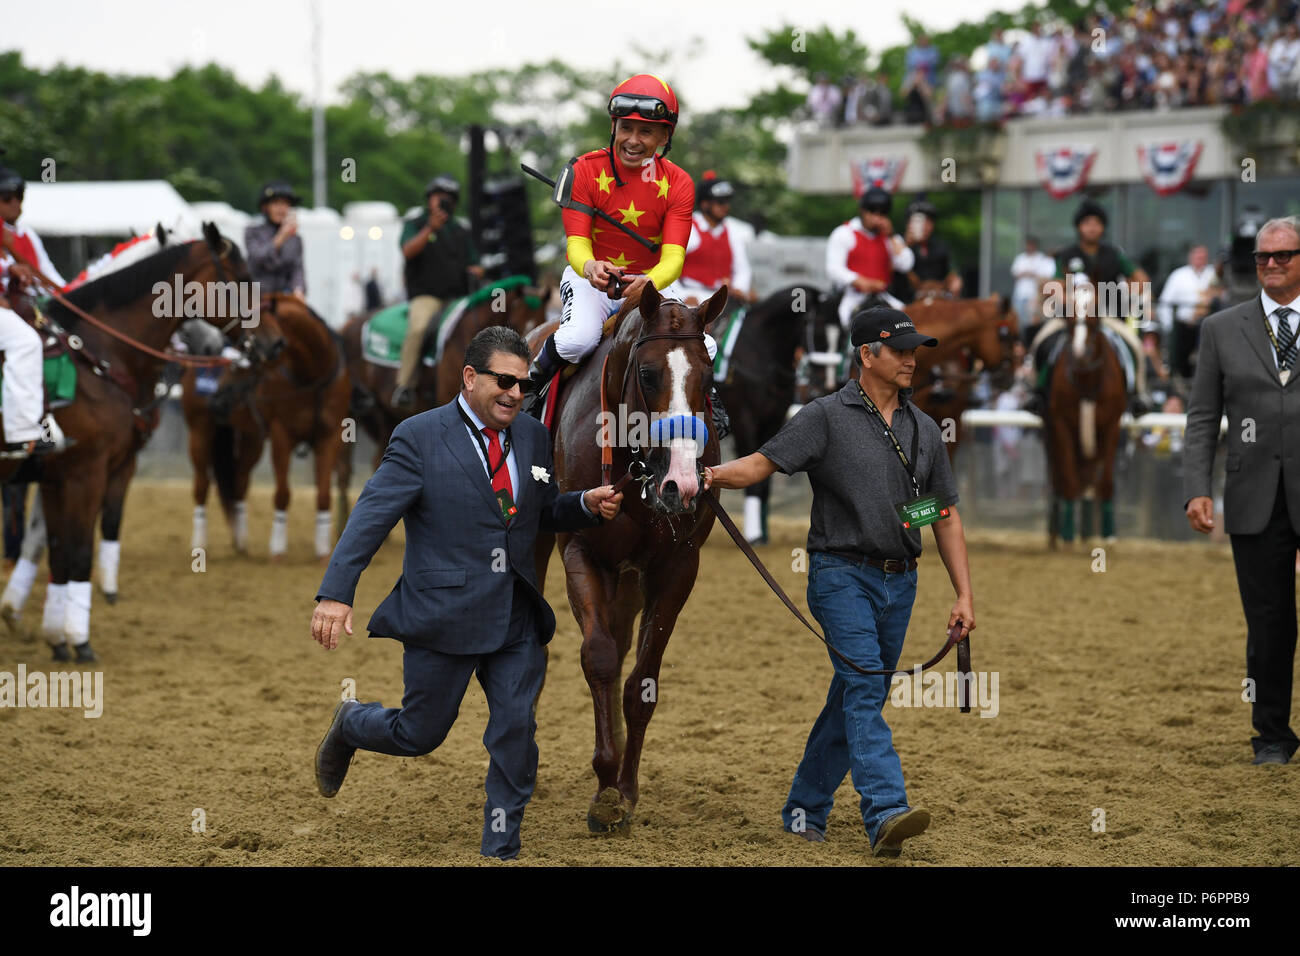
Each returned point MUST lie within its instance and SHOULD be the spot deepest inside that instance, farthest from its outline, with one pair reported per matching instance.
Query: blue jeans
(864, 613)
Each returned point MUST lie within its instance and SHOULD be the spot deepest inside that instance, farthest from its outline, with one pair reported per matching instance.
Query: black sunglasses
(1281, 257)
(507, 382)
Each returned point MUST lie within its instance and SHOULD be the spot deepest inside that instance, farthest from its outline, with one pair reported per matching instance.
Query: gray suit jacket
(1236, 375)
(462, 558)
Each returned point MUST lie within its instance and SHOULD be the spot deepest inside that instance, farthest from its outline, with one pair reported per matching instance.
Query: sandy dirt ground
(1119, 691)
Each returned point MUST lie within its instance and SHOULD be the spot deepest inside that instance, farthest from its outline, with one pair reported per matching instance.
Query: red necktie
(501, 475)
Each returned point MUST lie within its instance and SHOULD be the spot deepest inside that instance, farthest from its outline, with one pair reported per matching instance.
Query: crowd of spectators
(1159, 54)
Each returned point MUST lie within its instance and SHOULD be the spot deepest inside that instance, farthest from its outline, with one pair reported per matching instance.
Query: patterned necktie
(1286, 339)
(501, 476)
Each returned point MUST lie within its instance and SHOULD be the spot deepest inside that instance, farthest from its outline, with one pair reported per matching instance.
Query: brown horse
(522, 308)
(974, 335)
(1087, 396)
(645, 560)
(301, 398)
(108, 419)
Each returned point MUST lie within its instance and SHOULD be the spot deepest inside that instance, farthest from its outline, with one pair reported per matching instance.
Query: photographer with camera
(440, 258)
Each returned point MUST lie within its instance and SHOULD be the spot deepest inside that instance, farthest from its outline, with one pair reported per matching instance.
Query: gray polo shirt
(857, 479)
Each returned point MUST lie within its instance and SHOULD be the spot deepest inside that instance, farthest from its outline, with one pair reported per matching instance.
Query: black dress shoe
(86, 654)
(333, 755)
(61, 652)
(1272, 753)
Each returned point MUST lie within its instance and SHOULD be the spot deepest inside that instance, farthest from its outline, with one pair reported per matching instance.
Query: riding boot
(544, 368)
(721, 420)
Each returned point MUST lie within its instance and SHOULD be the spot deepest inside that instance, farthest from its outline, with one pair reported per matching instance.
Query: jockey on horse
(715, 255)
(1100, 262)
(26, 431)
(933, 266)
(652, 199)
(862, 256)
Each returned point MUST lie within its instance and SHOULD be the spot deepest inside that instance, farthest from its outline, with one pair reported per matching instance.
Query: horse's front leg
(665, 587)
(591, 588)
(281, 450)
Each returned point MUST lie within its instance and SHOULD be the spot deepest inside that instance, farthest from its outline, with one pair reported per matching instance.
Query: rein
(954, 638)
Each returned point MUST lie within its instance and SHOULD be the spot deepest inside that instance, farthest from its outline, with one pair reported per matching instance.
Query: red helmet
(645, 96)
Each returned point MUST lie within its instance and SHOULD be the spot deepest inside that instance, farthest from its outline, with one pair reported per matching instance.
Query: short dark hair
(493, 339)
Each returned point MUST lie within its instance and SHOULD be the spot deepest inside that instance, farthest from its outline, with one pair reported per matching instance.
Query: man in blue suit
(472, 484)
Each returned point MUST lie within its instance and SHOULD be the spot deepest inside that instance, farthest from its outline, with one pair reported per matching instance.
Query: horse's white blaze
(1080, 336)
(681, 451)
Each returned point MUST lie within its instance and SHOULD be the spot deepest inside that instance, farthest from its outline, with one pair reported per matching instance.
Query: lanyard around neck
(482, 442)
(909, 464)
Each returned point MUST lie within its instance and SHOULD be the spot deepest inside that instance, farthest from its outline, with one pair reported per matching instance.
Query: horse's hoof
(277, 559)
(609, 813)
(110, 597)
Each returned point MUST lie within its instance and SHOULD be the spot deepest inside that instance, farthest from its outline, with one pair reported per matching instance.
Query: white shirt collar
(1271, 305)
(478, 422)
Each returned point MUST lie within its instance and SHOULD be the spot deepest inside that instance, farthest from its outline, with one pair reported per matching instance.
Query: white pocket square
(541, 474)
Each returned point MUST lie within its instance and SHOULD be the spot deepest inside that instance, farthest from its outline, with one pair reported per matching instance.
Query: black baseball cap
(883, 324)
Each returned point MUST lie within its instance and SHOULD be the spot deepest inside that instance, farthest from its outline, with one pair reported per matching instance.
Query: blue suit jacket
(462, 559)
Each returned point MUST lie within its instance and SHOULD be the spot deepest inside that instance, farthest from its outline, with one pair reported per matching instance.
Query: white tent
(106, 209)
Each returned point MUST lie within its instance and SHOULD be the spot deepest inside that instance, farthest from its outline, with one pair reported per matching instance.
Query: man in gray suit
(1246, 369)
(472, 483)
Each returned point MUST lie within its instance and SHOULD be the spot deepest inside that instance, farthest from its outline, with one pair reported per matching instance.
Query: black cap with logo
(883, 324)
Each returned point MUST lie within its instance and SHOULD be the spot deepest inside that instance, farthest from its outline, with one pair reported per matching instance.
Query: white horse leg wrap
(280, 533)
(110, 556)
(56, 607)
(239, 525)
(20, 584)
(324, 533)
(76, 622)
(199, 539)
(753, 517)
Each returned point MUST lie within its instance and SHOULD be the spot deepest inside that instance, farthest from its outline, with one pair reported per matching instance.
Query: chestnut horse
(1087, 396)
(300, 398)
(522, 308)
(974, 335)
(646, 559)
(108, 419)
(759, 384)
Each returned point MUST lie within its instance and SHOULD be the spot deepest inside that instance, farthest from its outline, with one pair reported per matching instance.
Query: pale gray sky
(255, 38)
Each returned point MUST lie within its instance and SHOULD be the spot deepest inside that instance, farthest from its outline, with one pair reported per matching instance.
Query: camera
(446, 204)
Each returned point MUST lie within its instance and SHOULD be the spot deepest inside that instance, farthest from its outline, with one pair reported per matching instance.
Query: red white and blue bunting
(1167, 167)
(1064, 169)
(883, 171)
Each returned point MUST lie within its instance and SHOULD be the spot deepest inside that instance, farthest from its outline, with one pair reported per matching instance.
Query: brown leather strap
(954, 633)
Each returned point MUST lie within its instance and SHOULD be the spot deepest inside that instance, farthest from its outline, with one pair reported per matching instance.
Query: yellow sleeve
(579, 249)
(669, 270)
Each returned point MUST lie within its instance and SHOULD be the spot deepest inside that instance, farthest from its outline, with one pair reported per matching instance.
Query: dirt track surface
(1119, 691)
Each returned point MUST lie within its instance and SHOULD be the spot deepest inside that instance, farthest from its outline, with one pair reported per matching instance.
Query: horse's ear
(161, 233)
(650, 299)
(212, 234)
(712, 307)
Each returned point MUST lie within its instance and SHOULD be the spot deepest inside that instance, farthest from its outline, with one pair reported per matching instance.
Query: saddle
(383, 333)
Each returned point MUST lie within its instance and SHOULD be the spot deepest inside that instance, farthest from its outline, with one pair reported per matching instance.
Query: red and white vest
(870, 256)
(710, 263)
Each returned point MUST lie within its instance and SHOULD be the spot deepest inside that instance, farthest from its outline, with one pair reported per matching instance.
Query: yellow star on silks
(603, 181)
(594, 230)
(620, 261)
(663, 186)
(632, 214)
(658, 238)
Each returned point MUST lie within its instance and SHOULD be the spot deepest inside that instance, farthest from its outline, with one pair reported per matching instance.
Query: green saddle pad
(60, 379)
(382, 335)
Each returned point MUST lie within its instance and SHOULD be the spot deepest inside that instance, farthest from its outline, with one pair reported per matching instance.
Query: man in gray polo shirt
(862, 565)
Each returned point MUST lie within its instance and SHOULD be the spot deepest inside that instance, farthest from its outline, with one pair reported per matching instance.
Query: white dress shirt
(1270, 310)
(480, 440)
(1182, 293)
